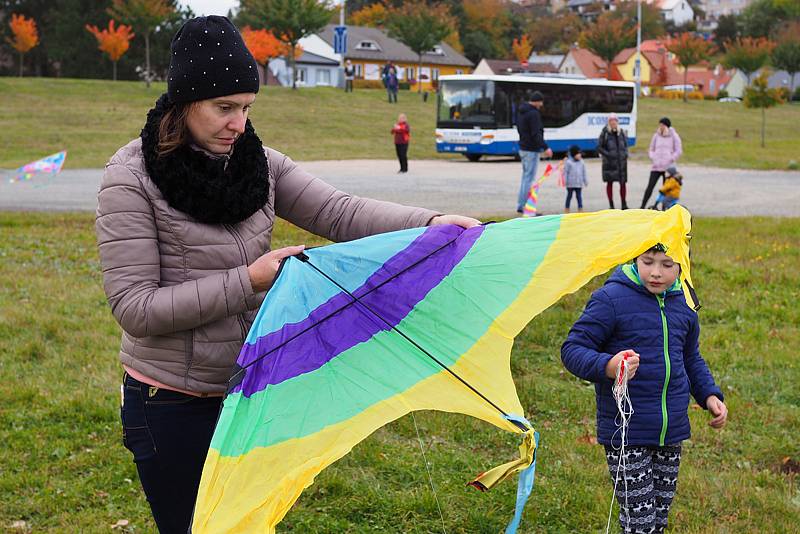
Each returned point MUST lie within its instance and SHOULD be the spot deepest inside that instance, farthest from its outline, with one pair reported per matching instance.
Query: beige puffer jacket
(180, 289)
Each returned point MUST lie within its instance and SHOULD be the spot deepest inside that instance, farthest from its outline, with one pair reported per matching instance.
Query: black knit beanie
(209, 59)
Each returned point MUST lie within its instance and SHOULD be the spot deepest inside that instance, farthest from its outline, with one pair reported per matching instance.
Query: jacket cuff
(251, 299)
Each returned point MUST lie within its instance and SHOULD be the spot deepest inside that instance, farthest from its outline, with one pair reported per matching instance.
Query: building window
(323, 77)
(410, 73)
(434, 73)
(301, 76)
(436, 50)
(459, 71)
(368, 45)
(359, 70)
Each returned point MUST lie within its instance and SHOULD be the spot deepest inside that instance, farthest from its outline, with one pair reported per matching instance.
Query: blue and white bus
(477, 114)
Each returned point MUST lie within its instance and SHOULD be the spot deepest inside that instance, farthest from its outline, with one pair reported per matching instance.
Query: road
(485, 188)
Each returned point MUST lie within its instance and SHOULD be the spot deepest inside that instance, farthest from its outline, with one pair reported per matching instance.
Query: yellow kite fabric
(355, 335)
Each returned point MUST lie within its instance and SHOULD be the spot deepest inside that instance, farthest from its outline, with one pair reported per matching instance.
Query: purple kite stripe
(353, 324)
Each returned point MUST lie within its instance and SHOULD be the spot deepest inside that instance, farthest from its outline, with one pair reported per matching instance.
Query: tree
(690, 50)
(113, 41)
(143, 16)
(420, 27)
(786, 55)
(748, 54)
(26, 36)
(290, 19)
(759, 95)
(522, 48)
(764, 18)
(556, 32)
(652, 21)
(492, 19)
(608, 37)
(374, 16)
(727, 29)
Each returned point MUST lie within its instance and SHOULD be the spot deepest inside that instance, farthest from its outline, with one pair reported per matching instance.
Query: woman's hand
(458, 220)
(262, 271)
(718, 410)
(631, 362)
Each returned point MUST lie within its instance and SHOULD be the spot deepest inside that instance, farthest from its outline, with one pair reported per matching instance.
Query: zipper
(243, 253)
(665, 330)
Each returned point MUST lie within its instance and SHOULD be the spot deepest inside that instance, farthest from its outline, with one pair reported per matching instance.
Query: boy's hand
(718, 410)
(631, 363)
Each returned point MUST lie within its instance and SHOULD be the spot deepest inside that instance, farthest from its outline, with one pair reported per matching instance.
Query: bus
(477, 114)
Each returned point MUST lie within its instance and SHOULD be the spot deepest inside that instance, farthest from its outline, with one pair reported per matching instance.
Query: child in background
(402, 135)
(641, 313)
(670, 192)
(574, 177)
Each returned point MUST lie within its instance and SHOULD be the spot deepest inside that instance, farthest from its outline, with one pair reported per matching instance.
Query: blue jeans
(169, 434)
(665, 201)
(578, 197)
(530, 161)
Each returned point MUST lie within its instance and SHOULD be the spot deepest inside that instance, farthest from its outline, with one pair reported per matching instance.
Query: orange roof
(591, 65)
(702, 80)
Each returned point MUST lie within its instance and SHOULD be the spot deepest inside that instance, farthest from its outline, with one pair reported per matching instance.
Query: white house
(679, 12)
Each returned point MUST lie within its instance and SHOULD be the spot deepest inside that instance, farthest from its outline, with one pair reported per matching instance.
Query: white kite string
(428, 468)
(624, 413)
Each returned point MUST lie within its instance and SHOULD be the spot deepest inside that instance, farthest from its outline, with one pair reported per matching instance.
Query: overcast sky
(213, 7)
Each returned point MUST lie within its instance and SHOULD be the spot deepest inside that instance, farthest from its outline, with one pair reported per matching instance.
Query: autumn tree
(485, 24)
(608, 37)
(555, 32)
(143, 16)
(290, 19)
(652, 21)
(748, 54)
(26, 36)
(786, 55)
(113, 41)
(759, 95)
(374, 16)
(420, 27)
(690, 50)
(522, 48)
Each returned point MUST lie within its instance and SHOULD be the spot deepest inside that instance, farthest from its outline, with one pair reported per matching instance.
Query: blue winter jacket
(622, 315)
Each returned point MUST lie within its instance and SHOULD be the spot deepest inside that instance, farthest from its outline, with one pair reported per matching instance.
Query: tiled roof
(504, 66)
(591, 65)
(390, 49)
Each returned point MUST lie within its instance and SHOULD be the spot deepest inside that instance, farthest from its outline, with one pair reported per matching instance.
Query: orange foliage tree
(113, 41)
(522, 48)
(143, 16)
(374, 16)
(26, 36)
(264, 46)
(690, 50)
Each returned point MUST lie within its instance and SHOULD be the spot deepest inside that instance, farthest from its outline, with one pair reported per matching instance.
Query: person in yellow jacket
(670, 192)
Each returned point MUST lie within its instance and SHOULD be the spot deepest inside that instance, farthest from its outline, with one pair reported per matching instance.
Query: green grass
(93, 118)
(63, 467)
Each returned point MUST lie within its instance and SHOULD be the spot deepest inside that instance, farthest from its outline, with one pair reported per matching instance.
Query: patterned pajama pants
(647, 488)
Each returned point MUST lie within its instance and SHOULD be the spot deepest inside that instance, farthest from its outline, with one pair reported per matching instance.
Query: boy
(574, 177)
(670, 192)
(641, 314)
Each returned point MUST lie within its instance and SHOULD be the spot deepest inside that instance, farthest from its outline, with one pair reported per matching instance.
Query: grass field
(63, 467)
(93, 118)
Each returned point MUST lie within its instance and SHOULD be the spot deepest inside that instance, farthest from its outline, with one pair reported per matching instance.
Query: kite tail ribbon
(525, 466)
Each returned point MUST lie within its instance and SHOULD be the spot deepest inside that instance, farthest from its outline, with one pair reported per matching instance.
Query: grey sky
(210, 7)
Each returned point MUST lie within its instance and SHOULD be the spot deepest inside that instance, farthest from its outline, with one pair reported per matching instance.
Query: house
(582, 62)
(776, 79)
(317, 65)
(369, 49)
(511, 66)
(544, 59)
(714, 9)
(679, 12)
(709, 81)
(657, 66)
(589, 10)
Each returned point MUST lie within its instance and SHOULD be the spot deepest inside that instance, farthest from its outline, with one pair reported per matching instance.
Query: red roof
(702, 80)
(591, 65)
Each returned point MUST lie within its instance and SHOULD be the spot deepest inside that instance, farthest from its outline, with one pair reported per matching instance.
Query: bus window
(466, 103)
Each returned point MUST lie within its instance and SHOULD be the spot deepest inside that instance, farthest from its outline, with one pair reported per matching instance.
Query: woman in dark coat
(612, 145)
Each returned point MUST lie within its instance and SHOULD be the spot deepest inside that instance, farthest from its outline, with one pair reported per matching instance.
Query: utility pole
(638, 67)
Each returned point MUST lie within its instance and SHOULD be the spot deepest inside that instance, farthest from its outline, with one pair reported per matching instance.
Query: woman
(402, 135)
(665, 149)
(184, 221)
(613, 147)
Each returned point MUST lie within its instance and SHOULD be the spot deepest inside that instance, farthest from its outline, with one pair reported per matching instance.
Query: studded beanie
(209, 59)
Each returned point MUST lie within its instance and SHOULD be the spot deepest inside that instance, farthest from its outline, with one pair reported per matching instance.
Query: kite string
(428, 469)
(625, 410)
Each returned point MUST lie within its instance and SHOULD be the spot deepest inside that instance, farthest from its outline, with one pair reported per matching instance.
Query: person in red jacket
(402, 134)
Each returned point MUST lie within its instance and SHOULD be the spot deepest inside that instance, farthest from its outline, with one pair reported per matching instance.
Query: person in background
(349, 76)
(531, 143)
(574, 177)
(670, 192)
(612, 145)
(402, 135)
(392, 85)
(665, 149)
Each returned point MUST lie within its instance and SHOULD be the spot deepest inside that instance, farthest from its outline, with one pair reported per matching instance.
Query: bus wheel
(473, 157)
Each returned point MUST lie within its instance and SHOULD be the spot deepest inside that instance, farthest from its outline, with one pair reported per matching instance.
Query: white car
(730, 99)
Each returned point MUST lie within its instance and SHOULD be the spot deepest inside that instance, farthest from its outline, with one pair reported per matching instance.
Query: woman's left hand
(718, 410)
(458, 220)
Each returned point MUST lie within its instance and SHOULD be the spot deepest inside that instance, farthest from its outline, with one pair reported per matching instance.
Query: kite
(355, 335)
(51, 164)
(531, 205)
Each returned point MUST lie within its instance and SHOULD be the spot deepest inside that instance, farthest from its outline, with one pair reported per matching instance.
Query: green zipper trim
(664, 416)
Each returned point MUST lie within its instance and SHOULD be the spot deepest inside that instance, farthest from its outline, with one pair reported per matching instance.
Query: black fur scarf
(202, 186)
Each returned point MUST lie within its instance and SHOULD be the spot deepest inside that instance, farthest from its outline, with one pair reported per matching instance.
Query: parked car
(730, 99)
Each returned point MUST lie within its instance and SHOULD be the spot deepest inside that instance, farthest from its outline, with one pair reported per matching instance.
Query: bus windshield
(463, 104)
